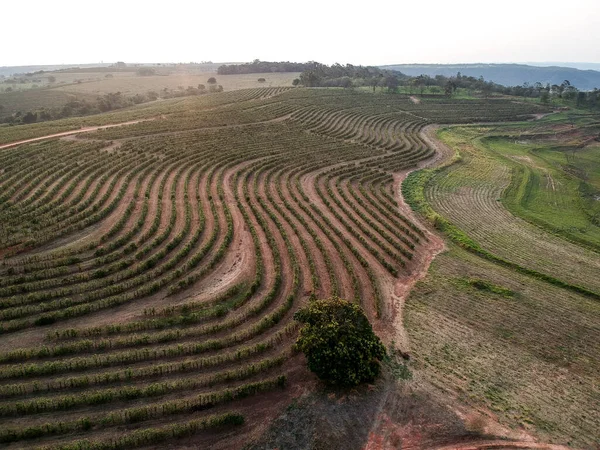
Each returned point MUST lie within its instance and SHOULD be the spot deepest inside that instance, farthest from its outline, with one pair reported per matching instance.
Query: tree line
(350, 76)
(258, 66)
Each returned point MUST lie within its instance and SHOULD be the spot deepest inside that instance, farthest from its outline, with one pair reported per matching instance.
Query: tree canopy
(338, 342)
(258, 66)
(146, 71)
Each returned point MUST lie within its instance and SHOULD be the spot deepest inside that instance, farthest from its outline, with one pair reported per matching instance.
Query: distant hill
(507, 74)
(8, 71)
(574, 65)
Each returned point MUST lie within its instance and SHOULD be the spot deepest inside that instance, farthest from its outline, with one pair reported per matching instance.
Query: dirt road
(69, 133)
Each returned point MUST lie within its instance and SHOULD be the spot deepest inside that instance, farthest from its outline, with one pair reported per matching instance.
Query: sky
(356, 32)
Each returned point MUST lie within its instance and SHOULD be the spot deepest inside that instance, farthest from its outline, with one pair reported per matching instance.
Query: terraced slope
(150, 272)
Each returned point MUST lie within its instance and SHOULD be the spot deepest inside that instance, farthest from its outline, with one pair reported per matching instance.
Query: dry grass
(533, 359)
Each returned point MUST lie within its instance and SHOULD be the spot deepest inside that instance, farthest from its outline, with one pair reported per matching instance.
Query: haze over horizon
(388, 33)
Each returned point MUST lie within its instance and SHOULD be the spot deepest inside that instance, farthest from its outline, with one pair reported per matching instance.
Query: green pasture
(555, 186)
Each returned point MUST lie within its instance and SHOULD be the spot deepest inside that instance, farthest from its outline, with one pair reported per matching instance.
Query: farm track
(69, 133)
(153, 280)
(433, 246)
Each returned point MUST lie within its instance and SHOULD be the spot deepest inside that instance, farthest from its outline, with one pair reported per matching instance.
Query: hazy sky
(358, 32)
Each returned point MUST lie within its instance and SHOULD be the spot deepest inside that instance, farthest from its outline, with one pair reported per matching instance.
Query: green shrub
(339, 342)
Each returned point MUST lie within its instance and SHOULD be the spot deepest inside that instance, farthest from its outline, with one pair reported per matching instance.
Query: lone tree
(339, 342)
(146, 71)
(261, 80)
(391, 83)
(450, 88)
(212, 80)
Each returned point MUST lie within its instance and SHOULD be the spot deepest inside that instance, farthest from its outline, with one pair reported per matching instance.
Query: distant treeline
(258, 66)
(350, 76)
(508, 74)
(103, 103)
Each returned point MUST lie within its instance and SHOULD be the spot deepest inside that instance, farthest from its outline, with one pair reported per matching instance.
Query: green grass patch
(487, 286)
(556, 189)
(413, 190)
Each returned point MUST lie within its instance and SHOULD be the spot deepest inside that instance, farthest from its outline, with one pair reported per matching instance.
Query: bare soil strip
(68, 133)
(427, 251)
(501, 445)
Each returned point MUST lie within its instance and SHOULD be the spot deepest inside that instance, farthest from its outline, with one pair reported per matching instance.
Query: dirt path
(542, 115)
(116, 143)
(501, 445)
(110, 148)
(427, 251)
(68, 133)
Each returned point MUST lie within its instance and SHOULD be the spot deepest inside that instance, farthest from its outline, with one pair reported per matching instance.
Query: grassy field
(555, 187)
(556, 175)
(473, 194)
(149, 272)
(28, 82)
(527, 353)
(500, 321)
